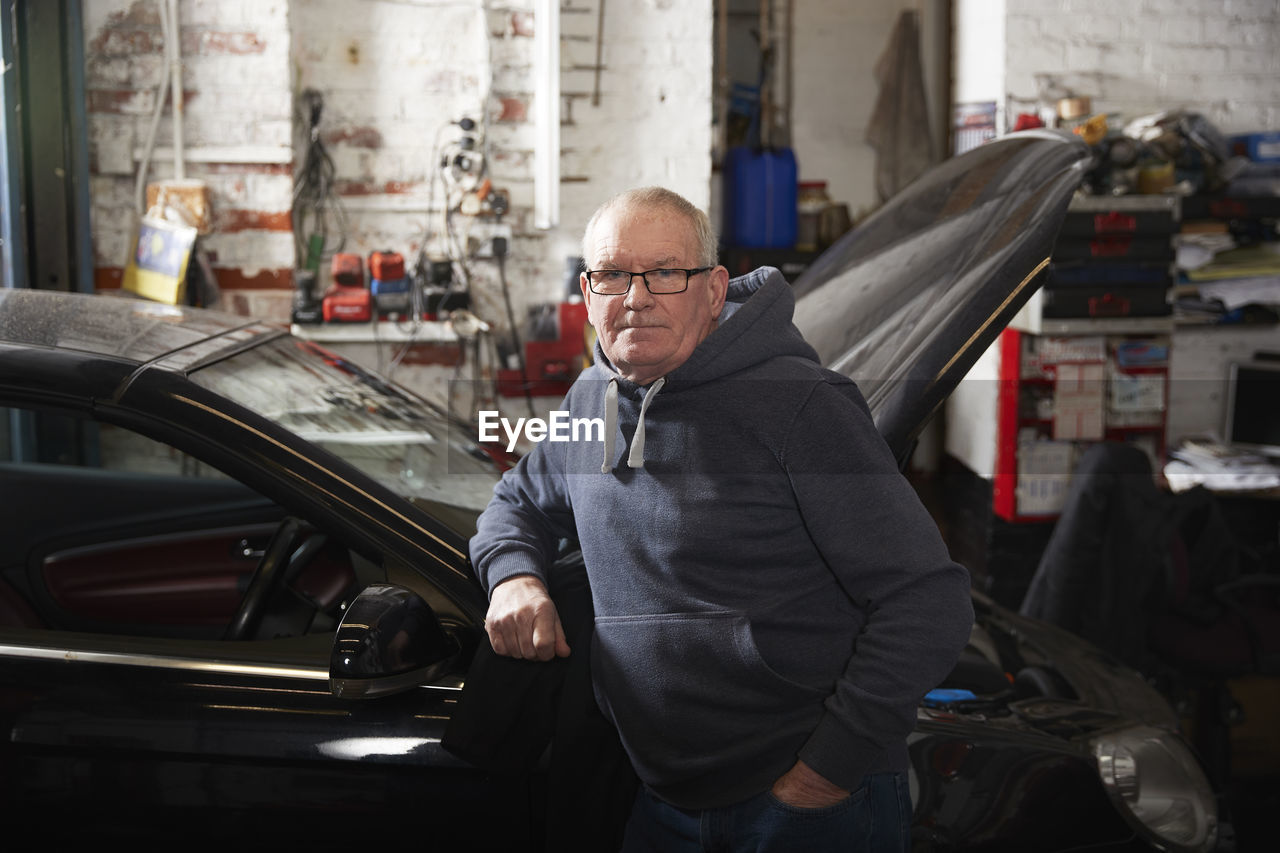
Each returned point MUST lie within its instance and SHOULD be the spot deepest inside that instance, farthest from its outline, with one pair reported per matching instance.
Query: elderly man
(771, 598)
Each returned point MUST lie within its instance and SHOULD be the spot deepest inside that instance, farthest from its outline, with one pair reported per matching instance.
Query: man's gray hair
(659, 198)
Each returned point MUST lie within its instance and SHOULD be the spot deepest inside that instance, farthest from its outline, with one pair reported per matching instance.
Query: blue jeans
(874, 819)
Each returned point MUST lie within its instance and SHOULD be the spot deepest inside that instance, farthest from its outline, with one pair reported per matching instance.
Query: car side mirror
(389, 641)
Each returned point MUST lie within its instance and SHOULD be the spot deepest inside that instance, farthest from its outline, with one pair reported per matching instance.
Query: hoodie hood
(759, 302)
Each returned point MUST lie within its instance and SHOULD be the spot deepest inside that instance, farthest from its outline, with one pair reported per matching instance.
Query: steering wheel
(267, 578)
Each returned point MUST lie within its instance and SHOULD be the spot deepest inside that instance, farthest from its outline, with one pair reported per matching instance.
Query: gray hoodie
(767, 585)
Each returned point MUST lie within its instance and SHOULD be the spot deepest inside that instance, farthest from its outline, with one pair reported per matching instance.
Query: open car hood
(906, 302)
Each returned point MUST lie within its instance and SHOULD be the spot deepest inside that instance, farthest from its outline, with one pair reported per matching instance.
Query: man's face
(648, 335)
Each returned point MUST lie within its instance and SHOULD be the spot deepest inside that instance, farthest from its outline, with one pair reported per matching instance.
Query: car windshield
(397, 438)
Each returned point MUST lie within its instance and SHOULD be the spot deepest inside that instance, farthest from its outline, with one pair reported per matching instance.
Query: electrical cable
(435, 172)
(458, 248)
(316, 205)
(500, 252)
(463, 168)
(417, 306)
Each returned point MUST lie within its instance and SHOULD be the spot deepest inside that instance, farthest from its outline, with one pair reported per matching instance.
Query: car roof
(120, 326)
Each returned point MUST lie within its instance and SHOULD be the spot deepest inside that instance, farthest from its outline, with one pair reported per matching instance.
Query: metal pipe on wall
(174, 49)
(546, 105)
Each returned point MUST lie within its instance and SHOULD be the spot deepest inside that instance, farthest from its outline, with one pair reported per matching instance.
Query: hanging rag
(899, 126)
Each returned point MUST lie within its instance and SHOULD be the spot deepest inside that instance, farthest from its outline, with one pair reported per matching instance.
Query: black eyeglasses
(618, 282)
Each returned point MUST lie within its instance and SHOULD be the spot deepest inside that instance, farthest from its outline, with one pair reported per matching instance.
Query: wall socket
(481, 237)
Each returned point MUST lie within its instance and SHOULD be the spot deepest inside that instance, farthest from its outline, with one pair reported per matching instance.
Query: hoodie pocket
(690, 693)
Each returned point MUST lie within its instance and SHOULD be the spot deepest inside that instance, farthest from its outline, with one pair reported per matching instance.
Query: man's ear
(719, 289)
(586, 289)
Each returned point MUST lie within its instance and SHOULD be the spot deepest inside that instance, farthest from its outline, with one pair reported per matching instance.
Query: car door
(121, 703)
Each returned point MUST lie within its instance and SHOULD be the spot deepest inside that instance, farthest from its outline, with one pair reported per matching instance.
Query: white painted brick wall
(394, 73)
(250, 251)
(402, 71)
(1218, 57)
(236, 72)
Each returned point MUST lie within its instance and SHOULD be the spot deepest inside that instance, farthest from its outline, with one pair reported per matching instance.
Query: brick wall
(236, 85)
(1219, 57)
(395, 76)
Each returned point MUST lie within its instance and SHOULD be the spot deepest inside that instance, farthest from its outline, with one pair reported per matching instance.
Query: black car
(236, 607)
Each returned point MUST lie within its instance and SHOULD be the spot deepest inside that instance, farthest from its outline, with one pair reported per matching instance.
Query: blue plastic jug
(760, 186)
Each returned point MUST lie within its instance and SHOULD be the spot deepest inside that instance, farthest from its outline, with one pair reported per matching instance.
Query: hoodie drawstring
(610, 423)
(635, 458)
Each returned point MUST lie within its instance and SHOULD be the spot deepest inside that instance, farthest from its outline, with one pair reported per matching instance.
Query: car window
(398, 439)
(109, 532)
(54, 438)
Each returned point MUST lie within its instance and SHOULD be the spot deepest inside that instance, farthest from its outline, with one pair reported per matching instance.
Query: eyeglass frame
(644, 276)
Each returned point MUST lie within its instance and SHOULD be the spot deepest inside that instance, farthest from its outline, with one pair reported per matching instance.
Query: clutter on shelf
(1226, 251)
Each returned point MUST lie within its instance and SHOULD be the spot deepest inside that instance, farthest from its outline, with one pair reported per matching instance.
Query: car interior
(177, 549)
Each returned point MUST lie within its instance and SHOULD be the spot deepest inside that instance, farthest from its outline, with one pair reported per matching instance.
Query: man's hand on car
(522, 621)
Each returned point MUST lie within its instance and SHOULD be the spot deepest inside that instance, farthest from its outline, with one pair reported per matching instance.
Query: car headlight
(1157, 783)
